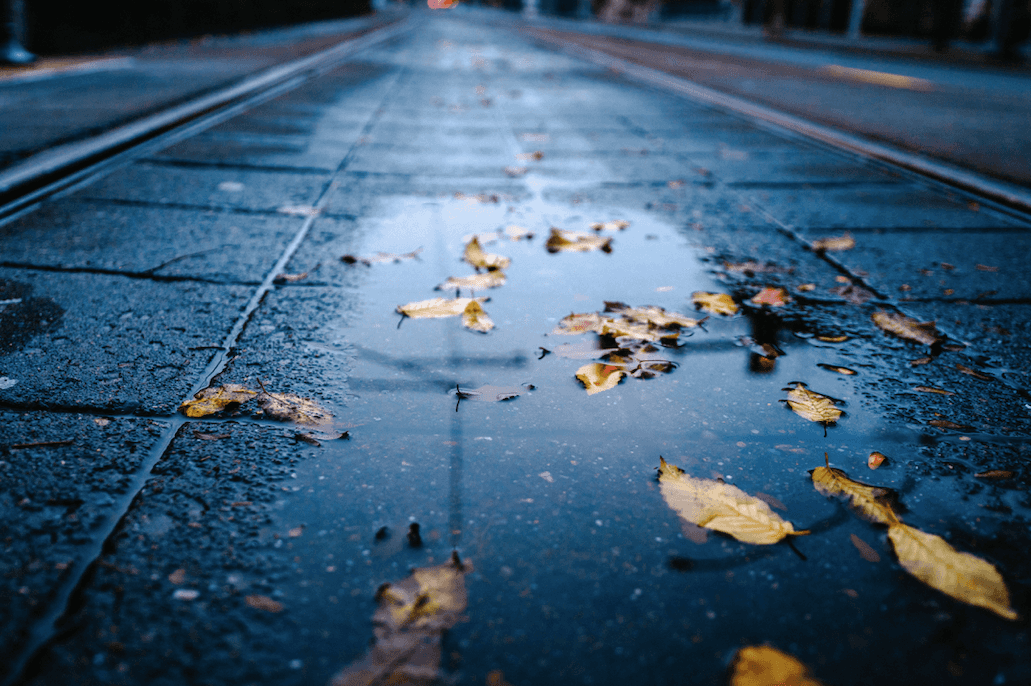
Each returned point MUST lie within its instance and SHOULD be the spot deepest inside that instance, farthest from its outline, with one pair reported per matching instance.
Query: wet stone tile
(165, 242)
(267, 153)
(54, 500)
(218, 189)
(80, 340)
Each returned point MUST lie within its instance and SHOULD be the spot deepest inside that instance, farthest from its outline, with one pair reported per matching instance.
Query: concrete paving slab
(267, 153)
(221, 189)
(211, 245)
(106, 342)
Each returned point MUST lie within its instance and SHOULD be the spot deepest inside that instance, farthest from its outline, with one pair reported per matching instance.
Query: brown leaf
(970, 372)
(714, 303)
(474, 318)
(835, 368)
(263, 602)
(931, 389)
(598, 377)
(906, 327)
(287, 407)
(435, 308)
(872, 503)
(476, 282)
(721, 507)
(953, 426)
(650, 314)
(774, 297)
(576, 324)
(409, 623)
(996, 474)
(856, 295)
(813, 406)
(574, 241)
(865, 551)
(875, 460)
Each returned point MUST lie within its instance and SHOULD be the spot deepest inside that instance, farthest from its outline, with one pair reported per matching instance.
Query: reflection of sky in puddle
(553, 494)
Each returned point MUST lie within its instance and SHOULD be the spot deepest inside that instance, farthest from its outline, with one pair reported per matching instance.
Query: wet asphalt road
(147, 536)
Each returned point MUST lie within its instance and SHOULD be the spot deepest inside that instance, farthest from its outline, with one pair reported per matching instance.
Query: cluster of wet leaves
(231, 399)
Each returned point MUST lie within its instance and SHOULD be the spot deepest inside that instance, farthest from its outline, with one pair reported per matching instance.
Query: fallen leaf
(832, 339)
(178, 576)
(410, 620)
(515, 171)
(997, 474)
(561, 240)
(952, 426)
(875, 460)
(263, 602)
(856, 295)
(767, 666)
(476, 282)
(290, 278)
(598, 377)
(536, 156)
(473, 317)
(932, 389)
(287, 407)
(834, 244)
(437, 307)
(714, 303)
(906, 327)
(211, 401)
(835, 368)
(209, 437)
(751, 268)
(811, 405)
(865, 551)
(806, 287)
(475, 256)
(517, 233)
(489, 393)
(963, 576)
(872, 503)
(614, 225)
(970, 372)
(381, 257)
(721, 507)
(985, 268)
(921, 360)
(650, 314)
(578, 323)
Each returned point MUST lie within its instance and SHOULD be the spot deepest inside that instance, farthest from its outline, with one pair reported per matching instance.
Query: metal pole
(12, 51)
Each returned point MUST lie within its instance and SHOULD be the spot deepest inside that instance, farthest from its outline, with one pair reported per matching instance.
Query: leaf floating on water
(211, 401)
(536, 156)
(811, 405)
(832, 339)
(576, 324)
(409, 624)
(437, 307)
(518, 233)
(475, 256)
(490, 394)
(290, 278)
(381, 257)
(766, 666)
(561, 240)
(774, 297)
(906, 327)
(834, 244)
(714, 303)
(614, 225)
(476, 282)
(721, 507)
(835, 368)
(650, 314)
(963, 576)
(875, 460)
(598, 377)
(474, 318)
(287, 407)
(872, 503)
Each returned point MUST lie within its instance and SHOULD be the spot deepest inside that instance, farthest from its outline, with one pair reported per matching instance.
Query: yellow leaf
(213, 400)
(767, 666)
(437, 307)
(845, 242)
(650, 314)
(473, 317)
(811, 405)
(714, 303)
(906, 327)
(835, 368)
(621, 328)
(721, 507)
(963, 576)
(876, 459)
(476, 282)
(573, 241)
(598, 377)
(870, 502)
(475, 256)
(409, 623)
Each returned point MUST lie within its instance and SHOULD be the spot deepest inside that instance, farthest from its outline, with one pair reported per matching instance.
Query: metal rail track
(1004, 195)
(69, 165)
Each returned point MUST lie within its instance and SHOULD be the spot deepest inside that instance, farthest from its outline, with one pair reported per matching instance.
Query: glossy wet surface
(582, 573)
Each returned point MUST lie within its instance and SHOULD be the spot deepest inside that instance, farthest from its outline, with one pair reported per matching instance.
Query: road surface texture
(141, 546)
